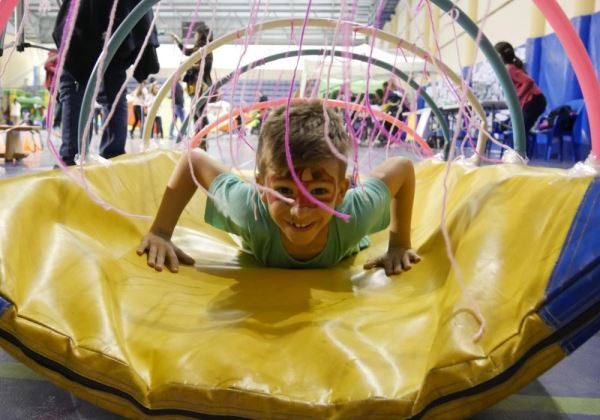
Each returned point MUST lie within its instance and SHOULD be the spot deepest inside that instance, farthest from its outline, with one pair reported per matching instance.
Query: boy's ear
(344, 185)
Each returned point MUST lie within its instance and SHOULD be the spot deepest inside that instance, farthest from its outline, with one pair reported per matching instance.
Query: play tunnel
(228, 337)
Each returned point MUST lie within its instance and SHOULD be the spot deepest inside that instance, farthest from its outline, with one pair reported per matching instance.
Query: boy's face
(303, 222)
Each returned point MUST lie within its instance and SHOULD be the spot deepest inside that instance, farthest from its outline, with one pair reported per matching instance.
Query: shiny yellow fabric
(230, 337)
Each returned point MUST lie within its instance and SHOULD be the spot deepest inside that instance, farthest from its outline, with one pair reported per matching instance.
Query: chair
(502, 131)
(556, 143)
(555, 139)
(581, 136)
(505, 137)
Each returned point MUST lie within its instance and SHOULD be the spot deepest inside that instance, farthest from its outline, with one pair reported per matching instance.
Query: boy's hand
(395, 260)
(161, 250)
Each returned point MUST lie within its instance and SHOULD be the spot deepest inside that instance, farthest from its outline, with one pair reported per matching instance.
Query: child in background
(289, 230)
(138, 101)
(531, 98)
(157, 130)
(15, 112)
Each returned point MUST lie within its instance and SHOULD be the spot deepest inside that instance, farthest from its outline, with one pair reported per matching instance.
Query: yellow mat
(230, 337)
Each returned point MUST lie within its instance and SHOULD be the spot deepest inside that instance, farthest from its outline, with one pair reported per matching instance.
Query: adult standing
(178, 108)
(202, 36)
(192, 78)
(50, 66)
(87, 41)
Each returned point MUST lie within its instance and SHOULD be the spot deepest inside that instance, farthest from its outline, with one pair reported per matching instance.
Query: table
(14, 146)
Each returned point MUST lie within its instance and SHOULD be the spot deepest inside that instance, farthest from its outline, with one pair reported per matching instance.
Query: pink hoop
(6, 8)
(580, 60)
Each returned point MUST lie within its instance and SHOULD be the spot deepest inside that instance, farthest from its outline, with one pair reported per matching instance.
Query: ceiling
(225, 16)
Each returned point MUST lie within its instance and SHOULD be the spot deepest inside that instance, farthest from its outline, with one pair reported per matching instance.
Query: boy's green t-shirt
(238, 209)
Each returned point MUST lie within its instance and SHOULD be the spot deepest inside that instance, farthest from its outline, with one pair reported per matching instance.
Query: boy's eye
(285, 191)
(320, 192)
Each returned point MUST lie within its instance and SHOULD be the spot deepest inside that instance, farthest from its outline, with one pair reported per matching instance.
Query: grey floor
(570, 390)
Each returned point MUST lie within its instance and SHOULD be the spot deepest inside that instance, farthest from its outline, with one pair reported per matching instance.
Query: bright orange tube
(330, 102)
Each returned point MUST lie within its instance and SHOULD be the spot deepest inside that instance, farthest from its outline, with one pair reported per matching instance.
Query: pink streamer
(123, 87)
(62, 54)
(288, 153)
(88, 122)
(472, 306)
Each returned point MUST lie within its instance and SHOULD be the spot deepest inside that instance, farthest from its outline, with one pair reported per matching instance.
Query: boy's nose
(303, 201)
(297, 208)
(300, 206)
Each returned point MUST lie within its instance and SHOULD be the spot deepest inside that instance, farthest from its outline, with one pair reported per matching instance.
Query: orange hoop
(330, 102)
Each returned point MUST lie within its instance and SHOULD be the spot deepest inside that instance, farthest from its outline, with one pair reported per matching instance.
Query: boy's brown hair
(306, 136)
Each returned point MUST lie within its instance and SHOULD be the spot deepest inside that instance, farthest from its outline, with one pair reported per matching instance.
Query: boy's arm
(180, 189)
(399, 176)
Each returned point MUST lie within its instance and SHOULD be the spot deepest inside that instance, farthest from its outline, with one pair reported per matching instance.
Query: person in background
(50, 67)
(262, 114)
(97, 118)
(379, 96)
(157, 129)
(261, 96)
(177, 108)
(91, 24)
(138, 100)
(192, 79)
(4, 107)
(531, 98)
(396, 107)
(15, 112)
(202, 36)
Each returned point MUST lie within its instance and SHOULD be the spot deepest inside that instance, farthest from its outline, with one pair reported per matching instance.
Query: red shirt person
(50, 66)
(531, 98)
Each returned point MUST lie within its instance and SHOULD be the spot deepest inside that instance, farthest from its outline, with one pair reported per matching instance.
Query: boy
(289, 229)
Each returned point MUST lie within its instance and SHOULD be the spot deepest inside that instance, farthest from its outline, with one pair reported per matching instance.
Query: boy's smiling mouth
(301, 226)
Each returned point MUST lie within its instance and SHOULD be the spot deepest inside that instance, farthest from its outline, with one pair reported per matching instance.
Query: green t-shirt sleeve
(369, 207)
(232, 208)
